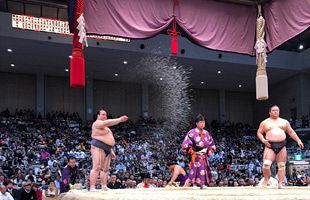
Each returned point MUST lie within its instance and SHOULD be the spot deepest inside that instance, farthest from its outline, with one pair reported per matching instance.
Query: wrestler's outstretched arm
(293, 135)
(111, 122)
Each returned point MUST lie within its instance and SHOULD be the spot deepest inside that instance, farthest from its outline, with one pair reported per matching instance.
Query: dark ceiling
(103, 63)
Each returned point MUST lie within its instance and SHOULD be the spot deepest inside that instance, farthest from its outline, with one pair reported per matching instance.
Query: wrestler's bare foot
(280, 186)
(105, 188)
(92, 189)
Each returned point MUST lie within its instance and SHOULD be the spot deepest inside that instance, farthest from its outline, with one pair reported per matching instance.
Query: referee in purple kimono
(199, 144)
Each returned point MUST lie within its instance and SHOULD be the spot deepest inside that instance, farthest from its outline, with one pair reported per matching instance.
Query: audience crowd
(34, 150)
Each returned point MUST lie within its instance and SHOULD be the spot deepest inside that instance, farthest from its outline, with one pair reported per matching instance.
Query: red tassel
(77, 71)
(174, 45)
(77, 63)
(174, 42)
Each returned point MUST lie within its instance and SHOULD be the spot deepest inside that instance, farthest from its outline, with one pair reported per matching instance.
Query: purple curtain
(284, 20)
(219, 25)
(212, 24)
(127, 18)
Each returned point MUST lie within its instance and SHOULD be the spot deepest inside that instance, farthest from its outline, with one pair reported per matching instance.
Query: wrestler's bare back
(102, 134)
(275, 129)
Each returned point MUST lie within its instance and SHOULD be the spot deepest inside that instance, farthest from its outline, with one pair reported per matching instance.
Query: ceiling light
(66, 69)
(202, 82)
(174, 67)
(161, 79)
(125, 62)
(115, 74)
(301, 47)
(240, 86)
(12, 65)
(10, 50)
(70, 56)
(219, 72)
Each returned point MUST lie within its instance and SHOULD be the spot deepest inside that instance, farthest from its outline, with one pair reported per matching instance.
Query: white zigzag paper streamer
(260, 47)
(82, 31)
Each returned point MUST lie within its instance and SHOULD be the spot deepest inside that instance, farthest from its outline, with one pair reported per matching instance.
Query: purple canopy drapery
(212, 24)
(131, 19)
(284, 20)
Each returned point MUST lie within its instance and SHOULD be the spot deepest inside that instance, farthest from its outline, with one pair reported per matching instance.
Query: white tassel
(262, 87)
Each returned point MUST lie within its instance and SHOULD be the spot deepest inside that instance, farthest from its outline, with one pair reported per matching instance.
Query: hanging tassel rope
(77, 63)
(261, 58)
